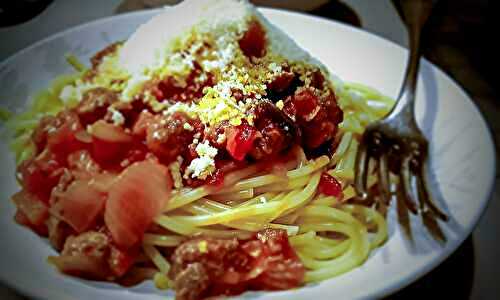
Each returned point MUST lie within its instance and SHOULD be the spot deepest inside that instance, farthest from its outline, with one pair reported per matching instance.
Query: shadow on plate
(453, 279)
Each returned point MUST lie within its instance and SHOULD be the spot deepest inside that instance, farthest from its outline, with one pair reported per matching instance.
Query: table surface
(471, 272)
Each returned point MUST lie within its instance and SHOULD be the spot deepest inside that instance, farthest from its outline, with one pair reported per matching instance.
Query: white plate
(462, 156)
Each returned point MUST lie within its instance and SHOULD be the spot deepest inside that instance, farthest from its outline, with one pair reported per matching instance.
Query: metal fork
(396, 143)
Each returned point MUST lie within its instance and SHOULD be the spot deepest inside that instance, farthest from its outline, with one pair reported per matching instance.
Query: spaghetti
(193, 178)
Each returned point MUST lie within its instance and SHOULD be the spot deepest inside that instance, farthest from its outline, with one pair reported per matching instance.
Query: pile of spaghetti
(222, 167)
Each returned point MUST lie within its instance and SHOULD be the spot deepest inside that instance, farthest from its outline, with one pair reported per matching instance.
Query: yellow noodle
(186, 198)
(162, 240)
(326, 252)
(288, 185)
(351, 258)
(263, 198)
(240, 195)
(303, 238)
(325, 201)
(295, 200)
(231, 215)
(157, 258)
(377, 218)
(183, 228)
(341, 148)
(310, 168)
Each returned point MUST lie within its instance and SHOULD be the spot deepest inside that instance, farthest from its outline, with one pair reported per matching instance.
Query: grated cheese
(116, 116)
(204, 165)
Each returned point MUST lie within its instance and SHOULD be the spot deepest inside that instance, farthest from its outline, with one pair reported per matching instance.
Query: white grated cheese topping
(221, 138)
(224, 20)
(73, 93)
(188, 127)
(204, 149)
(116, 116)
(204, 165)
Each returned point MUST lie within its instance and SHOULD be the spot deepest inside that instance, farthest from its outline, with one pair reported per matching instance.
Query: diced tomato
(329, 186)
(281, 82)
(61, 139)
(306, 104)
(137, 152)
(253, 42)
(33, 209)
(240, 140)
(110, 142)
(82, 165)
(109, 132)
(79, 205)
(120, 261)
(318, 80)
(282, 267)
(39, 135)
(39, 175)
(135, 198)
(94, 104)
(317, 116)
(143, 122)
(216, 179)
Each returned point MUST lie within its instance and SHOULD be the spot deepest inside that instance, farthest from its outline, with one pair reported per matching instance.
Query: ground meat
(191, 281)
(91, 244)
(206, 267)
(58, 232)
(199, 259)
(283, 86)
(97, 59)
(93, 255)
(189, 90)
(167, 137)
(99, 56)
(95, 103)
(317, 116)
(84, 256)
(211, 252)
(276, 131)
(217, 134)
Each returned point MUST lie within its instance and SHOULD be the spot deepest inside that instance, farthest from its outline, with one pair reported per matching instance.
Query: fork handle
(414, 14)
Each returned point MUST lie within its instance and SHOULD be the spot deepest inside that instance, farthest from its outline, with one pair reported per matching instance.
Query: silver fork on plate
(396, 143)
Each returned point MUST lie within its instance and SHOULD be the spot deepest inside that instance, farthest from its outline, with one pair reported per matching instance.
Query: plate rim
(391, 287)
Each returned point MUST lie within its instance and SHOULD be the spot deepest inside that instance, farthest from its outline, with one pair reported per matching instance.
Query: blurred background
(460, 38)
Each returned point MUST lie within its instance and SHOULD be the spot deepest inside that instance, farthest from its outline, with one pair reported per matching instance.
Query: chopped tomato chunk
(143, 122)
(253, 42)
(35, 211)
(120, 260)
(110, 142)
(39, 175)
(329, 186)
(240, 140)
(109, 132)
(135, 198)
(61, 139)
(79, 205)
